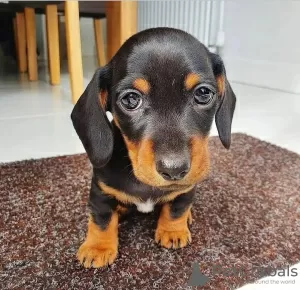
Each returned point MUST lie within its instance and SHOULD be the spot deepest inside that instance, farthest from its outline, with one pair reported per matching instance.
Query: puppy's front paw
(100, 247)
(173, 239)
(95, 255)
(173, 232)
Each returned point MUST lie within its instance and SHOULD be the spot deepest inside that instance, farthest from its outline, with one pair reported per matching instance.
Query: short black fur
(163, 57)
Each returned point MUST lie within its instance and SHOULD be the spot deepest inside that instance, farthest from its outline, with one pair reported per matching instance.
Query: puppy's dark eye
(203, 95)
(131, 101)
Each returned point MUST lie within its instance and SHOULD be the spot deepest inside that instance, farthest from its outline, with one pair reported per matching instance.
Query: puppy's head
(163, 88)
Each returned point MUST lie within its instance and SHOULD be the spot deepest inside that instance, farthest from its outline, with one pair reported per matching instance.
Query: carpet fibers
(246, 215)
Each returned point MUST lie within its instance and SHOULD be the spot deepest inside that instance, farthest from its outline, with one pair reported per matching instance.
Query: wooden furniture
(121, 24)
(20, 35)
(53, 43)
(31, 43)
(99, 39)
(74, 49)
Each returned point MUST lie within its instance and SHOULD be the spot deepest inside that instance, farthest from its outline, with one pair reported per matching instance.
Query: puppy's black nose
(173, 168)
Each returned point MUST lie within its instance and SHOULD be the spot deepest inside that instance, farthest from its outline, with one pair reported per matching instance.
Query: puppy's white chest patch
(147, 206)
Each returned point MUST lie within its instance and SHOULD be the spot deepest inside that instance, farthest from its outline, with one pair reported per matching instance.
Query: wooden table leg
(31, 43)
(121, 24)
(74, 49)
(99, 42)
(53, 44)
(15, 36)
(21, 42)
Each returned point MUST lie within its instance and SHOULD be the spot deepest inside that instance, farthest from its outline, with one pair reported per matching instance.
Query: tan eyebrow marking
(191, 80)
(141, 85)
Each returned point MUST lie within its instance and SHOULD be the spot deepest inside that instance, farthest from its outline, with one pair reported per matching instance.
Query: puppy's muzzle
(173, 167)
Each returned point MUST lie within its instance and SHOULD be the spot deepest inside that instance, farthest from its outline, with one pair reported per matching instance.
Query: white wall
(262, 43)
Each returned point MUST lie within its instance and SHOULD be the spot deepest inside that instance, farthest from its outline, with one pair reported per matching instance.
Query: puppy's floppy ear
(227, 101)
(90, 121)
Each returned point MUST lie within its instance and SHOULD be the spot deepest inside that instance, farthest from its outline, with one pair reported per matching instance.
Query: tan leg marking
(173, 232)
(100, 247)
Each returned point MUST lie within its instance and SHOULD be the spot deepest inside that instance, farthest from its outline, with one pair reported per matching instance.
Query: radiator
(201, 18)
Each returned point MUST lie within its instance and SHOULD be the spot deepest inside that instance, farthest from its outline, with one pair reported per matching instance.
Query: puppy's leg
(172, 228)
(100, 247)
(122, 210)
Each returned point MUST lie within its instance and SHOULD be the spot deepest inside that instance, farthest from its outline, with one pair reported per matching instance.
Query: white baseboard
(281, 76)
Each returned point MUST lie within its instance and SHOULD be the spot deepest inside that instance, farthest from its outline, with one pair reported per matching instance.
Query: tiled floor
(35, 119)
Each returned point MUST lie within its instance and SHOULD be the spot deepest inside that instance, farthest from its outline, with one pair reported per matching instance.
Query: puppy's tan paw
(173, 232)
(100, 247)
(96, 256)
(173, 239)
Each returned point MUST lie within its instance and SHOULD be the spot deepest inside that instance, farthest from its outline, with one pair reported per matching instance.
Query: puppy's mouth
(174, 187)
(168, 172)
(170, 186)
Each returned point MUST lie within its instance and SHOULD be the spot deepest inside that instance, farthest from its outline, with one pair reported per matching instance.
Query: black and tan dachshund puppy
(163, 88)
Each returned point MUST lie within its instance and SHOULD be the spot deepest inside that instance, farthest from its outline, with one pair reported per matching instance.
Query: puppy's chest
(146, 206)
(144, 197)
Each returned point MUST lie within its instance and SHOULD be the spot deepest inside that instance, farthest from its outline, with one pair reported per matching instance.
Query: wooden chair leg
(53, 44)
(21, 42)
(121, 23)
(31, 43)
(74, 48)
(99, 42)
(16, 36)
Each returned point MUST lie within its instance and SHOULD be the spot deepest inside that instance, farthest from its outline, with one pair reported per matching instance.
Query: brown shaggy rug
(246, 214)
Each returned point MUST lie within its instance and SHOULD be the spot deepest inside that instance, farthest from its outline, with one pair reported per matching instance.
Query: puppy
(163, 88)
